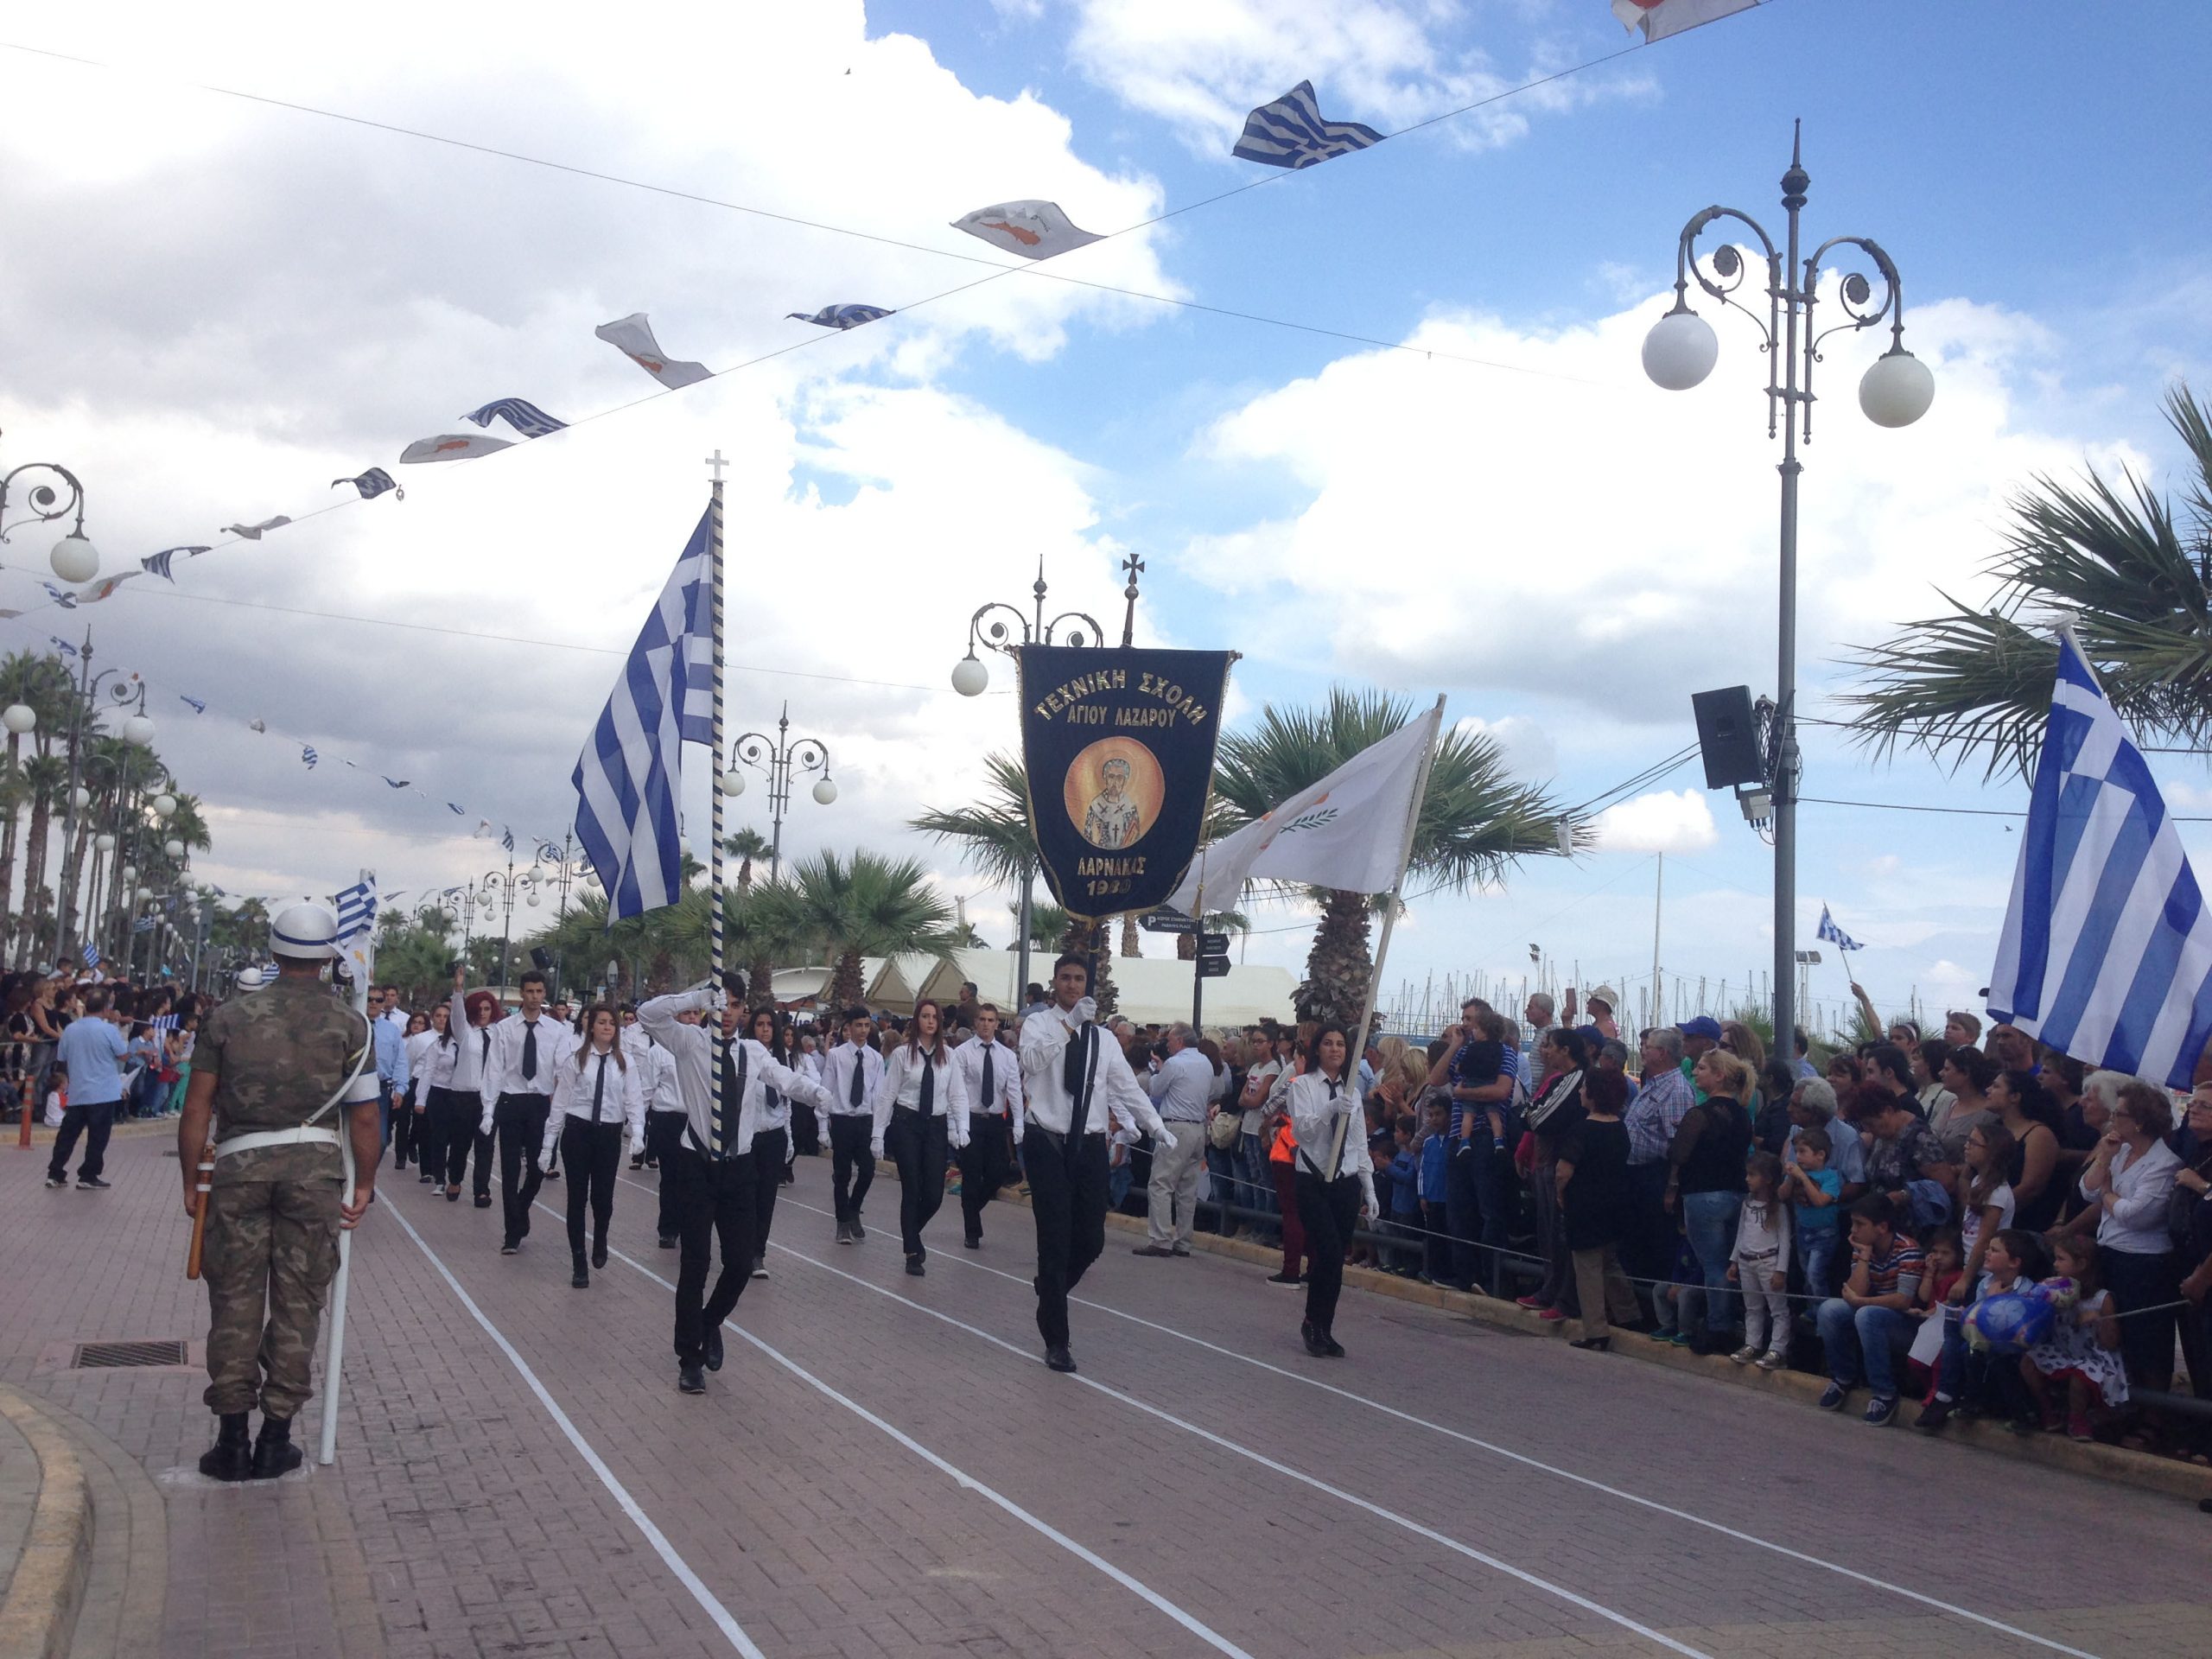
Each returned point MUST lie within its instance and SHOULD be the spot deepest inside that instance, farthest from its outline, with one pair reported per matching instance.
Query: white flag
(453, 446)
(1035, 230)
(1660, 18)
(252, 532)
(632, 336)
(1347, 832)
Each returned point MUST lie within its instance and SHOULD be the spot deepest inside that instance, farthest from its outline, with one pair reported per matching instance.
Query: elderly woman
(1705, 1182)
(2130, 1184)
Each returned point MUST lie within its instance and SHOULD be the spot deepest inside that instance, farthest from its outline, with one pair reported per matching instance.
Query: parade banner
(1118, 748)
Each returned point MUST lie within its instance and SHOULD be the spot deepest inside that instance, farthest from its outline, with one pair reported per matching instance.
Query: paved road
(885, 1468)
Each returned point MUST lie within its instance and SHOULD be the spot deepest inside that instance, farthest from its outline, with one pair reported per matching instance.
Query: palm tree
(1048, 926)
(2133, 577)
(1475, 822)
(747, 846)
(866, 906)
(44, 685)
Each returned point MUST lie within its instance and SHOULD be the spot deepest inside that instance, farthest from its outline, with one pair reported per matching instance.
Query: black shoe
(232, 1456)
(1315, 1346)
(508, 1247)
(974, 1243)
(714, 1348)
(452, 1195)
(638, 1161)
(552, 1174)
(1330, 1345)
(859, 1232)
(598, 1253)
(483, 1200)
(689, 1379)
(1702, 1342)
(759, 1267)
(1595, 1344)
(55, 1183)
(1059, 1358)
(524, 1232)
(844, 1232)
(914, 1265)
(274, 1454)
(580, 1278)
(1933, 1416)
(90, 1184)
(667, 1242)
(423, 1179)
(1282, 1279)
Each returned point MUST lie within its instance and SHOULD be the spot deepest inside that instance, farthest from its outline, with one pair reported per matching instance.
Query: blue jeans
(1816, 1251)
(1710, 1220)
(1221, 1168)
(1875, 1338)
(1256, 1187)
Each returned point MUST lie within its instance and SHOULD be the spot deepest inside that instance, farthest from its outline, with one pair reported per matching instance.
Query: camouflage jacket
(277, 1057)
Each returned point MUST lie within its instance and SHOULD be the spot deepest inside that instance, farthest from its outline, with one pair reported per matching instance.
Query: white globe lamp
(1896, 389)
(130, 874)
(971, 678)
(1680, 349)
(173, 849)
(104, 843)
(19, 718)
(75, 559)
(138, 731)
(733, 782)
(825, 793)
(164, 806)
(80, 798)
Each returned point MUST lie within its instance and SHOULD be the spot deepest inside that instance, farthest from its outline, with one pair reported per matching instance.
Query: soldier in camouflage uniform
(281, 1073)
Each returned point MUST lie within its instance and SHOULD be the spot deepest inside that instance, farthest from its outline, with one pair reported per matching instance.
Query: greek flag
(91, 954)
(629, 776)
(308, 754)
(458, 809)
(842, 316)
(395, 782)
(507, 841)
(526, 418)
(62, 645)
(1836, 936)
(61, 596)
(356, 908)
(158, 563)
(371, 484)
(193, 704)
(1290, 132)
(162, 1023)
(2106, 952)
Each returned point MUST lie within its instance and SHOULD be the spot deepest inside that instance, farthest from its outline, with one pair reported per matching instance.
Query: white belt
(306, 1136)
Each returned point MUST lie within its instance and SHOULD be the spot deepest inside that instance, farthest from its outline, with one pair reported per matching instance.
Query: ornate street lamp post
(777, 757)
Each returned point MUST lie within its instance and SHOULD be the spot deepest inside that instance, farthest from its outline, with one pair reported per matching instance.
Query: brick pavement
(460, 1520)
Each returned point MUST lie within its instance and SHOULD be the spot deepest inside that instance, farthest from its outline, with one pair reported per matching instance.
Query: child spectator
(1985, 1196)
(2083, 1347)
(1435, 1159)
(1866, 1326)
(1813, 1189)
(1759, 1266)
(1970, 1380)
(1405, 1196)
(57, 1097)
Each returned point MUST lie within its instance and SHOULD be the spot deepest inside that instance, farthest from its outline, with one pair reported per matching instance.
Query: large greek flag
(2107, 953)
(356, 908)
(1291, 132)
(629, 777)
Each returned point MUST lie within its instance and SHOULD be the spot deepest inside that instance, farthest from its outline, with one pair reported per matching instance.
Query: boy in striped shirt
(1867, 1325)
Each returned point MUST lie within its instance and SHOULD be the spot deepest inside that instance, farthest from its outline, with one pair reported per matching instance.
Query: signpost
(1213, 963)
(1168, 921)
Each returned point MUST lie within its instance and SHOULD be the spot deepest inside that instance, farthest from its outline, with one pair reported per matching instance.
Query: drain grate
(109, 1356)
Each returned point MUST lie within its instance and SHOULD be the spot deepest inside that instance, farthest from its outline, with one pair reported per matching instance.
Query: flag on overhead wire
(61, 596)
(842, 316)
(507, 840)
(1290, 132)
(253, 532)
(457, 809)
(453, 446)
(62, 645)
(1346, 832)
(1660, 18)
(2107, 951)
(158, 563)
(308, 754)
(1836, 936)
(371, 484)
(526, 417)
(630, 775)
(632, 336)
(107, 585)
(397, 783)
(1035, 230)
(356, 908)
(193, 704)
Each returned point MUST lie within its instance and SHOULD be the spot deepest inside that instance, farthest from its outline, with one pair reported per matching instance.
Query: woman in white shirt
(921, 1114)
(2129, 1183)
(771, 1140)
(422, 1042)
(596, 1096)
(1334, 1191)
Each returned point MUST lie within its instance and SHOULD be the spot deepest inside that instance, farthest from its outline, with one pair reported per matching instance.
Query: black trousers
(1068, 1196)
(664, 1135)
(453, 1120)
(519, 1121)
(917, 1145)
(714, 1204)
(94, 1121)
(852, 1138)
(593, 1152)
(770, 1148)
(806, 1133)
(985, 1163)
(1330, 1209)
(403, 1132)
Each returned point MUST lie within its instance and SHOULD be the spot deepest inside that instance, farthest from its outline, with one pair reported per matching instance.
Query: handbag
(1224, 1129)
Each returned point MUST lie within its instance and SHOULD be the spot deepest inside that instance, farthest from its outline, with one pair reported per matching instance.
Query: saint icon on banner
(1113, 792)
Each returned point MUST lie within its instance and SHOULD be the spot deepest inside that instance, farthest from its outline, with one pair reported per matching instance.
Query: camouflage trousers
(271, 1251)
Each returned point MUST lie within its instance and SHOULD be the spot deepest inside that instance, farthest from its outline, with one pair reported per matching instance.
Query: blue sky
(227, 300)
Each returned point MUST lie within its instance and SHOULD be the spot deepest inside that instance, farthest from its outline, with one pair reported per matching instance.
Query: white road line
(723, 1619)
(960, 1476)
(1526, 1461)
(1395, 1519)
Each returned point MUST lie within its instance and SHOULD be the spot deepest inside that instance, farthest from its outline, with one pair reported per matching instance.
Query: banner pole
(715, 463)
(334, 1363)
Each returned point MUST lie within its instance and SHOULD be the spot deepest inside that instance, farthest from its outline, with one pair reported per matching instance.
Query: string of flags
(1288, 132)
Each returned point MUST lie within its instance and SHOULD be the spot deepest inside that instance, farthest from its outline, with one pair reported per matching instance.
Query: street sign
(1168, 921)
(1214, 944)
(1213, 967)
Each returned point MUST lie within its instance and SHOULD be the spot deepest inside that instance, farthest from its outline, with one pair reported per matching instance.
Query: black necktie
(1079, 1047)
(732, 1099)
(854, 1094)
(598, 1089)
(929, 1084)
(483, 1064)
(529, 1050)
(990, 1090)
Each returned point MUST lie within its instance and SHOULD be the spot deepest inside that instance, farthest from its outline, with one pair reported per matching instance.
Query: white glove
(545, 1163)
(1164, 1141)
(875, 1148)
(1085, 1012)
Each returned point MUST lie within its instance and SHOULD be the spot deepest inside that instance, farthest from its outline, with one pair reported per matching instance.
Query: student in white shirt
(852, 1074)
(771, 1141)
(1335, 1177)
(663, 1115)
(421, 1045)
(991, 1073)
(527, 1049)
(921, 1110)
(597, 1095)
(1077, 1078)
(458, 1065)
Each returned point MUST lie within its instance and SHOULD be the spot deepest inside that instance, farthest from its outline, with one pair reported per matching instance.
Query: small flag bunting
(1035, 230)
(842, 316)
(193, 704)
(254, 532)
(526, 417)
(373, 483)
(158, 563)
(1291, 132)
(632, 336)
(453, 446)
(308, 754)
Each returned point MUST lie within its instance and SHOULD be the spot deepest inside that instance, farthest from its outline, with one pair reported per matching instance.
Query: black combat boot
(274, 1454)
(232, 1456)
(580, 1279)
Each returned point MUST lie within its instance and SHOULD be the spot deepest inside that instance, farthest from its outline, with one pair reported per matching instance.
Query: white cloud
(1527, 747)
(1666, 822)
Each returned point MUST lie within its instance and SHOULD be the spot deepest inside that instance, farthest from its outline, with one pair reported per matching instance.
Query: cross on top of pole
(715, 463)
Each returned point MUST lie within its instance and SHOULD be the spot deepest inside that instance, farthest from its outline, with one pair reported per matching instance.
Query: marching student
(991, 1073)
(714, 1193)
(1335, 1177)
(424, 1032)
(527, 1049)
(920, 1111)
(1077, 1077)
(771, 1142)
(852, 1075)
(806, 1133)
(663, 1115)
(458, 1065)
(596, 1098)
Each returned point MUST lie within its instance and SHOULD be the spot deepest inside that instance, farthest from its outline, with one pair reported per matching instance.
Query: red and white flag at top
(1660, 18)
